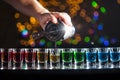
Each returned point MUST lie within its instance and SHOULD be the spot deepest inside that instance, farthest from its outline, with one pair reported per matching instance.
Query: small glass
(4, 59)
(54, 58)
(103, 57)
(114, 57)
(17, 59)
(23, 61)
(42, 58)
(10, 57)
(29, 59)
(1, 53)
(35, 51)
(91, 58)
(67, 55)
(78, 58)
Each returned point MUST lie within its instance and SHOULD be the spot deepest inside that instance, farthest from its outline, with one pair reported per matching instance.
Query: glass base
(102, 65)
(115, 65)
(79, 65)
(17, 66)
(30, 66)
(55, 65)
(4, 65)
(42, 66)
(91, 65)
(67, 65)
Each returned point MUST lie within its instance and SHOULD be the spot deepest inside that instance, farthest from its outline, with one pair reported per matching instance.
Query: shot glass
(1, 53)
(91, 58)
(67, 55)
(35, 51)
(78, 58)
(54, 58)
(103, 57)
(10, 57)
(114, 57)
(17, 59)
(29, 59)
(22, 54)
(4, 59)
(42, 58)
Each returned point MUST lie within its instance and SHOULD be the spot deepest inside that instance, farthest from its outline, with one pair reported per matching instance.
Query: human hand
(44, 18)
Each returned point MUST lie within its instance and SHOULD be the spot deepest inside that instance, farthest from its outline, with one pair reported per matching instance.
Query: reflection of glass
(17, 60)
(67, 58)
(54, 59)
(114, 57)
(91, 58)
(78, 58)
(102, 58)
(29, 59)
(42, 58)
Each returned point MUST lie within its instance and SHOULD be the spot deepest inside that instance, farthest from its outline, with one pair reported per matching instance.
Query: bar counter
(61, 74)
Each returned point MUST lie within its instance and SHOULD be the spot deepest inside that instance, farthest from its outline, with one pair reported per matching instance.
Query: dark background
(8, 32)
(10, 37)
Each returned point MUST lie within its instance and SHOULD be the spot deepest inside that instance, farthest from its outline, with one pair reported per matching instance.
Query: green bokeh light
(59, 43)
(75, 42)
(42, 42)
(94, 4)
(87, 39)
(103, 10)
(49, 44)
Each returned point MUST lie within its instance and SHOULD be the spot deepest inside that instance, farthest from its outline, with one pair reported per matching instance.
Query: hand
(44, 18)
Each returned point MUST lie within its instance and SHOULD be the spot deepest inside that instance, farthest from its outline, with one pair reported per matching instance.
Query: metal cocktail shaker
(56, 32)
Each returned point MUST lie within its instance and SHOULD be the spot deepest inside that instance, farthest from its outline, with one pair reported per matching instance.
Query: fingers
(64, 16)
(46, 17)
(53, 19)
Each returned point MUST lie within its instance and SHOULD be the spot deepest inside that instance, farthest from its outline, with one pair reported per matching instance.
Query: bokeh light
(17, 15)
(87, 39)
(94, 4)
(86, 15)
(42, 42)
(59, 43)
(103, 10)
(100, 27)
(106, 43)
(118, 1)
(25, 33)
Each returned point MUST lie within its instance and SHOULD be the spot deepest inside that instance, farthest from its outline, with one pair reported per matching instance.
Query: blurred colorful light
(103, 10)
(113, 40)
(49, 44)
(106, 43)
(96, 15)
(100, 27)
(94, 4)
(89, 11)
(59, 43)
(87, 39)
(42, 42)
(91, 31)
(101, 40)
(25, 33)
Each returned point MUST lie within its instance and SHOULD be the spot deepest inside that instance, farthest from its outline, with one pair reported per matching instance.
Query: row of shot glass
(60, 58)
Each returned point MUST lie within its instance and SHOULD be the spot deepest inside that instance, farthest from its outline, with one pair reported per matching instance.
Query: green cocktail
(67, 56)
(78, 56)
(67, 59)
